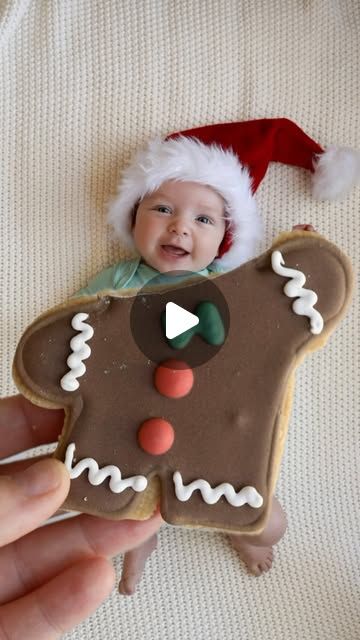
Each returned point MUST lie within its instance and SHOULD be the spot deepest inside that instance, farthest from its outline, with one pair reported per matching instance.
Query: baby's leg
(256, 550)
(133, 567)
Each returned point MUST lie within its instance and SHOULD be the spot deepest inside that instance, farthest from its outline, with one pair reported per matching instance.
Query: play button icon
(181, 315)
(178, 320)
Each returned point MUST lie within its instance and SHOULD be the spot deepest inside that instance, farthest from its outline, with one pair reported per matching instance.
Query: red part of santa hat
(232, 158)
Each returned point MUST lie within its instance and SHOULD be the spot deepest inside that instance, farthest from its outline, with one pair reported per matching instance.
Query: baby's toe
(126, 588)
(267, 566)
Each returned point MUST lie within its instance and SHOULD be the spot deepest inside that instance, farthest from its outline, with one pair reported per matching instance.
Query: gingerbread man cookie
(205, 443)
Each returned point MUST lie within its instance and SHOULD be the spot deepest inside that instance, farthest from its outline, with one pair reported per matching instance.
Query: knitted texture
(83, 85)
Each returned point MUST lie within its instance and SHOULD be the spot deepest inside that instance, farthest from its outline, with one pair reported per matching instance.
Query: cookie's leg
(133, 567)
(256, 551)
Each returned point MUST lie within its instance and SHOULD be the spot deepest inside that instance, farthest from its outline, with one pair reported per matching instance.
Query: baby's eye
(208, 220)
(162, 208)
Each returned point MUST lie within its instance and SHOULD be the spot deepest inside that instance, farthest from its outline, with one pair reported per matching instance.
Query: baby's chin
(181, 265)
(164, 264)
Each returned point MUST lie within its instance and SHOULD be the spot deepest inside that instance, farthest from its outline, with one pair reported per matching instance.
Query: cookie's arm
(40, 362)
(316, 278)
(309, 271)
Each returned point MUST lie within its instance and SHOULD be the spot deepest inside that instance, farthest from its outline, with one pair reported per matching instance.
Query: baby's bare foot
(127, 587)
(133, 567)
(257, 559)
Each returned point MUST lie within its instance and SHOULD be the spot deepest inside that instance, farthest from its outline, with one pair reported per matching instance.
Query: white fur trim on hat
(336, 171)
(188, 159)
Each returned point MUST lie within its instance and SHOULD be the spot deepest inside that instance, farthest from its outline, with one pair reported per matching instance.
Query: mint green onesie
(129, 274)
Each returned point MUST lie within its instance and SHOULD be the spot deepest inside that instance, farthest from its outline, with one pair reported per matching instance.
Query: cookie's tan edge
(39, 402)
(146, 504)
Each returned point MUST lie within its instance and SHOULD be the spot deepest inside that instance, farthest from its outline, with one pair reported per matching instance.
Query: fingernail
(39, 479)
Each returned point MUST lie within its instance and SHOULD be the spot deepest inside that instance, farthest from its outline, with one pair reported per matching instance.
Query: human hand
(55, 576)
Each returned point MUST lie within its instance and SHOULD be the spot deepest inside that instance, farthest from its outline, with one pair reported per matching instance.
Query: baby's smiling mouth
(173, 250)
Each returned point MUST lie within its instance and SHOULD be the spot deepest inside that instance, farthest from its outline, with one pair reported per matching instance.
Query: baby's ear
(40, 358)
(133, 215)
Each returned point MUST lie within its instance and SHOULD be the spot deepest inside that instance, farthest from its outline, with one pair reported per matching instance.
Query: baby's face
(180, 226)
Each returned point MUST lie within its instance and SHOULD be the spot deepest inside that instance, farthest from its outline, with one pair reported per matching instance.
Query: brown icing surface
(227, 427)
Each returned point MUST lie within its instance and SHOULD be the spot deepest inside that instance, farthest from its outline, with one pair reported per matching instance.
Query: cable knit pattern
(83, 85)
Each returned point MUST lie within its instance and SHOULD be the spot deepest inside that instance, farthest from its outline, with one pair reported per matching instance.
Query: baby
(185, 205)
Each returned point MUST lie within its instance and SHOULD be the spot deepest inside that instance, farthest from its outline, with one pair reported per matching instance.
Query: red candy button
(174, 378)
(156, 436)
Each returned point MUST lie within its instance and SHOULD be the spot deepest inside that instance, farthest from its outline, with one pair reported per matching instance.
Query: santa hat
(232, 158)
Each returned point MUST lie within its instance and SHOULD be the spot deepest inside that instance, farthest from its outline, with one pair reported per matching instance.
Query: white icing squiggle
(80, 350)
(306, 298)
(97, 476)
(247, 495)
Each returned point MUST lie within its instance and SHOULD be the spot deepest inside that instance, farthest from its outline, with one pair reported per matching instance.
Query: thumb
(29, 497)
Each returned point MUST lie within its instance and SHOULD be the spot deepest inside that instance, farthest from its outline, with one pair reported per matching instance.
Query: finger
(28, 498)
(35, 559)
(9, 468)
(24, 425)
(59, 605)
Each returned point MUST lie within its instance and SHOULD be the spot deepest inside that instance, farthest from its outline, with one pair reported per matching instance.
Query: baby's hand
(303, 227)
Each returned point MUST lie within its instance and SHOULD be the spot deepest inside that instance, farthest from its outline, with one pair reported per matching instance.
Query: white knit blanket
(83, 84)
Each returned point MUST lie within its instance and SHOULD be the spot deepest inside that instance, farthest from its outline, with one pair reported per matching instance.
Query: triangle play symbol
(178, 320)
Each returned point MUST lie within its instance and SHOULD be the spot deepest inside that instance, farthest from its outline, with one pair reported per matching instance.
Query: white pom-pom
(337, 170)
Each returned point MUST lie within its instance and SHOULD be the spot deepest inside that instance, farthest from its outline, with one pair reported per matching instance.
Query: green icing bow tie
(210, 327)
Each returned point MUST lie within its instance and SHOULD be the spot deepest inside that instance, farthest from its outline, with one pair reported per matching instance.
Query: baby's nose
(179, 226)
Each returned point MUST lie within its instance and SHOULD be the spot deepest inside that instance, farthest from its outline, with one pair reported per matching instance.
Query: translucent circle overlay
(188, 290)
